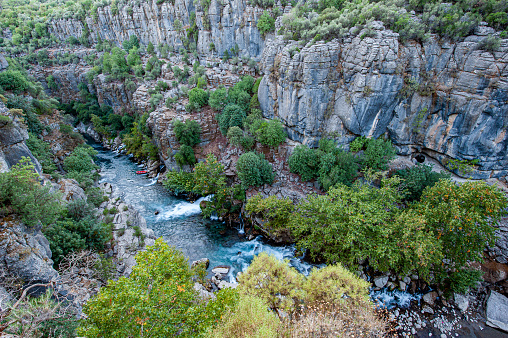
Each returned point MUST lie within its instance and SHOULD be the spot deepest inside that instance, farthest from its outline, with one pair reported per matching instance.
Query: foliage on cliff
(22, 194)
(156, 300)
(450, 223)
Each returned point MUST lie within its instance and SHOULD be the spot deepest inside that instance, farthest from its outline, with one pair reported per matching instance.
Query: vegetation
(157, 299)
(253, 170)
(450, 223)
(22, 194)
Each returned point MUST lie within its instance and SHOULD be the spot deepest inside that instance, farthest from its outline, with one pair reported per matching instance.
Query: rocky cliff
(225, 24)
(12, 141)
(447, 100)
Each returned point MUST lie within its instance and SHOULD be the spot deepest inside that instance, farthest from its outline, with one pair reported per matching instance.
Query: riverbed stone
(462, 301)
(202, 261)
(497, 310)
(430, 298)
(381, 282)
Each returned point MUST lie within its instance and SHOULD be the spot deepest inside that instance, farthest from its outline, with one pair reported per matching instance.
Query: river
(180, 223)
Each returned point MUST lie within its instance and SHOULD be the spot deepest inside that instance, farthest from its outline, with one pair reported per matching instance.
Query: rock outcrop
(224, 26)
(12, 141)
(447, 100)
(24, 253)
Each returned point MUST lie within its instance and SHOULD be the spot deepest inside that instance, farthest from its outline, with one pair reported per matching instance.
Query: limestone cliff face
(226, 24)
(12, 142)
(446, 100)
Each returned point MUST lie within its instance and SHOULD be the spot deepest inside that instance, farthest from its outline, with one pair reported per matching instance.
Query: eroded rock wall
(227, 23)
(447, 100)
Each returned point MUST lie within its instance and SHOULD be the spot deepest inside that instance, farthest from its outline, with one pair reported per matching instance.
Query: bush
(273, 281)
(185, 156)
(416, 179)
(250, 318)
(198, 97)
(187, 132)
(238, 137)
(179, 182)
(335, 284)
(218, 98)
(269, 133)
(68, 235)
(254, 170)
(275, 212)
(14, 80)
(79, 165)
(22, 194)
(265, 23)
(378, 153)
(41, 151)
(233, 115)
(157, 299)
(349, 218)
(461, 217)
(304, 162)
(337, 167)
(358, 144)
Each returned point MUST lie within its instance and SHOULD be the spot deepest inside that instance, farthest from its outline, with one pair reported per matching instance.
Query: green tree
(150, 49)
(270, 133)
(232, 115)
(187, 132)
(265, 23)
(23, 195)
(156, 300)
(218, 98)
(254, 170)
(305, 162)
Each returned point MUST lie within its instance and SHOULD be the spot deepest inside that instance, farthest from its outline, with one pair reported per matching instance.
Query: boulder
(222, 269)
(25, 252)
(462, 301)
(5, 298)
(225, 285)
(381, 282)
(202, 261)
(430, 298)
(497, 310)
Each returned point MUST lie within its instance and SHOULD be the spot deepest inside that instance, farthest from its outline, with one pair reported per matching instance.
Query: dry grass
(344, 320)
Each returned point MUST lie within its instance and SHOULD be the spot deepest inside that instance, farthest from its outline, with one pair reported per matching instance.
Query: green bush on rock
(254, 170)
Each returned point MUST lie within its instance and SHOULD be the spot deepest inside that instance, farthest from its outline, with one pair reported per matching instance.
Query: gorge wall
(227, 23)
(446, 100)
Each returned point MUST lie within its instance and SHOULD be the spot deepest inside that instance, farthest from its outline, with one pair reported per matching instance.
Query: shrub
(179, 182)
(41, 151)
(238, 137)
(22, 194)
(273, 281)
(79, 164)
(275, 212)
(337, 167)
(254, 170)
(187, 132)
(265, 23)
(232, 115)
(198, 97)
(461, 217)
(378, 153)
(240, 97)
(157, 299)
(68, 235)
(185, 156)
(132, 42)
(304, 162)
(358, 144)
(14, 80)
(416, 179)
(218, 98)
(250, 318)
(350, 219)
(335, 284)
(269, 133)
